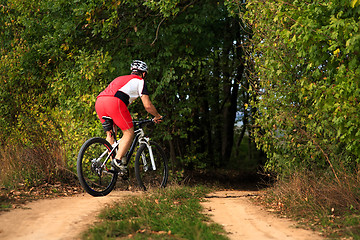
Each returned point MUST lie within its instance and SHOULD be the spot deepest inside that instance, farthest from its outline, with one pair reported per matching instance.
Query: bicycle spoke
(92, 171)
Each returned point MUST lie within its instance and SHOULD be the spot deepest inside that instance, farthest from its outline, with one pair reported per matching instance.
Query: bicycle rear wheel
(146, 176)
(97, 179)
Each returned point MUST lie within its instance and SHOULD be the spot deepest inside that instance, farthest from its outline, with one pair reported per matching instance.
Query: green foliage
(174, 213)
(306, 76)
(57, 56)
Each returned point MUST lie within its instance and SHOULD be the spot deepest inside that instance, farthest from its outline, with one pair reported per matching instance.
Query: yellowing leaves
(65, 47)
(354, 3)
(88, 17)
(336, 52)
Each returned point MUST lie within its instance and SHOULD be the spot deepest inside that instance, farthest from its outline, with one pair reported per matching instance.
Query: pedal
(124, 174)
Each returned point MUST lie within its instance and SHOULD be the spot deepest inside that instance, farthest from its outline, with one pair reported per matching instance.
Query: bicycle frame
(97, 173)
(139, 138)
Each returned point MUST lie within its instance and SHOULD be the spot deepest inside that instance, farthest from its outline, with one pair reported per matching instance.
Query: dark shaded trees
(62, 53)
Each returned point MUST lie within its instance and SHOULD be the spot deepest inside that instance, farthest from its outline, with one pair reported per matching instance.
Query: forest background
(57, 56)
(228, 76)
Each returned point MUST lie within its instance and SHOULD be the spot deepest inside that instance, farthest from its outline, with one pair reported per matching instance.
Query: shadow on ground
(222, 179)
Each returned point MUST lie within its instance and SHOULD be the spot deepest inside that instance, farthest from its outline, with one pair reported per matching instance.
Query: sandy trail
(55, 219)
(244, 220)
(66, 218)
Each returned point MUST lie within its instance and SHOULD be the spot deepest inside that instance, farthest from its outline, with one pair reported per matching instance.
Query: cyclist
(113, 102)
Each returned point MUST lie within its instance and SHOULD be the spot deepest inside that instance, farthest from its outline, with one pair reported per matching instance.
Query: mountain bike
(98, 177)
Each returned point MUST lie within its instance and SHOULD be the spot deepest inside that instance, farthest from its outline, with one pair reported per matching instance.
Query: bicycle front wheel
(97, 178)
(148, 175)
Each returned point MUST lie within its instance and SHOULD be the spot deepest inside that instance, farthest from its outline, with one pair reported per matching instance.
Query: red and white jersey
(127, 88)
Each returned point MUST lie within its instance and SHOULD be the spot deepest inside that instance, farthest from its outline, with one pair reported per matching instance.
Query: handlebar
(142, 122)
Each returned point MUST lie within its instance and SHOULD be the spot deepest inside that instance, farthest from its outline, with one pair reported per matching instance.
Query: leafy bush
(56, 56)
(306, 77)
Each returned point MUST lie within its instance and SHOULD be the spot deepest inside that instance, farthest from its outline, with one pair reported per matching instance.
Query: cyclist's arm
(150, 108)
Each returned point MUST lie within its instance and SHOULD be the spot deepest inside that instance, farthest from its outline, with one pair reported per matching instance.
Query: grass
(320, 202)
(31, 172)
(32, 165)
(171, 213)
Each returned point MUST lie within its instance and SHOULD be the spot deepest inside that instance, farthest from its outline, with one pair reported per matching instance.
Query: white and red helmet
(139, 65)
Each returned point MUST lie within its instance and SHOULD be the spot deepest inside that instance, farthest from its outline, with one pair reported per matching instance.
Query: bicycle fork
(146, 141)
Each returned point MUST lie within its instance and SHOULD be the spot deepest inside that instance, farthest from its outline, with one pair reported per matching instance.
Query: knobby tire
(145, 176)
(95, 183)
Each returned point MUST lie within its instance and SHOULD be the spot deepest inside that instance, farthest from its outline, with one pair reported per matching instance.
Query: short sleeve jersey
(127, 88)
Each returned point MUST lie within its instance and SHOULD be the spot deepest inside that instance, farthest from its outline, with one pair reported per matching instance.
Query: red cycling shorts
(116, 109)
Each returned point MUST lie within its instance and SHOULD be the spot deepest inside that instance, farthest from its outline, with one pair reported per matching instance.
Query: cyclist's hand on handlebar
(157, 119)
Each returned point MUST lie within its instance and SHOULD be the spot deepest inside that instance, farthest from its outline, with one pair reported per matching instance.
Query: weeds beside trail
(320, 202)
(31, 166)
(171, 213)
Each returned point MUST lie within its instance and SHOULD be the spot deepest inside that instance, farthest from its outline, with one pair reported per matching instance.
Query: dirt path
(244, 220)
(66, 218)
(55, 219)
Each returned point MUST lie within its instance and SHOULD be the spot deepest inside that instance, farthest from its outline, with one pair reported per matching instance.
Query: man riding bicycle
(113, 102)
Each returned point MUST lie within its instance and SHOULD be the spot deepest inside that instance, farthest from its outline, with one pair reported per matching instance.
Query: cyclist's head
(139, 67)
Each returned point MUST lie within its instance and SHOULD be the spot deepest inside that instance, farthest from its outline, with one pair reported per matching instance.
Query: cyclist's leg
(125, 143)
(123, 120)
(110, 136)
(118, 111)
